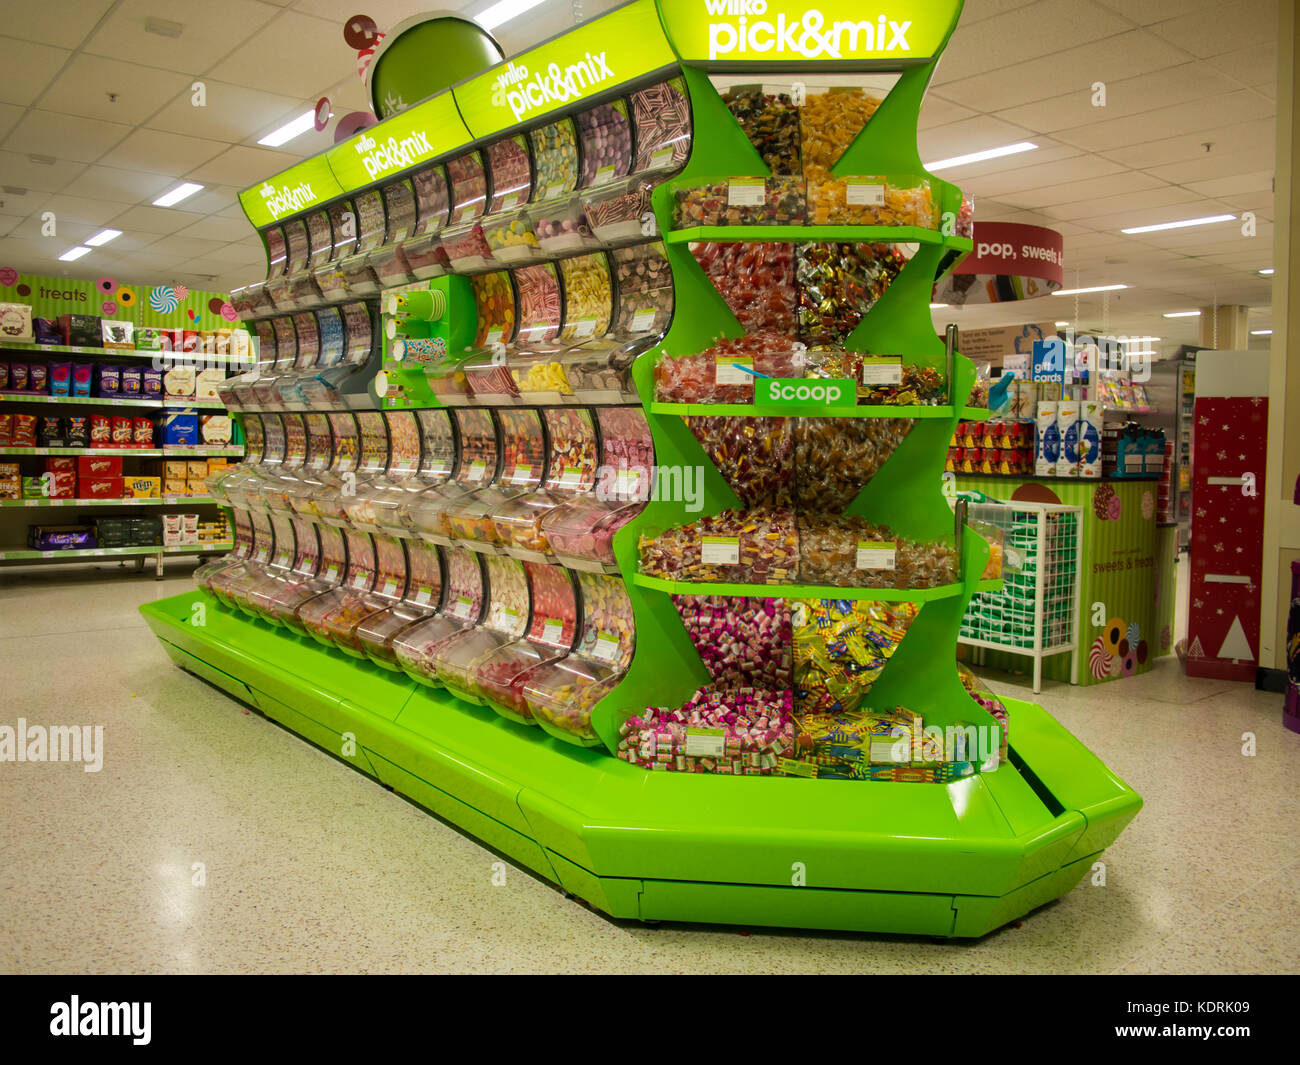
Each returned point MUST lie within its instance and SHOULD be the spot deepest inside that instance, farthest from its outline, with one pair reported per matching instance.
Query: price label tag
(706, 742)
(523, 473)
(627, 482)
(440, 466)
(643, 320)
(882, 370)
(494, 336)
(504, 617)
(390, 588)
(359, 581)
(730, 372)
(584, 327)
(865, 192)
(462, 607)
(477, 470)
(423, 595)
(604, 173)
(661, 157)
(606, 647)
(720, 550)
(510, 201)
(876, 554)
(746, 192)
(551, 630)
(332, 572)
(571, 477)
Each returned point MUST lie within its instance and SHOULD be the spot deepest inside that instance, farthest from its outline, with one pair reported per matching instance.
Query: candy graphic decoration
(1099, 659)
(163, 299)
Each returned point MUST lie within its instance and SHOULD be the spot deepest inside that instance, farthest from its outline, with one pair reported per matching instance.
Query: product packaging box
(57, 537)
(102, 487)
(1067, 427)
(149, 338)
(179, 382)
(216, 464)
(205, 383)
(15, 321)
(196, 486)
(60, 464)
(175, 469)
(63, 484)
(81, 330)
(1090, 429)
(196, 468)
(1047, 439)
(175, 486)
(33, 488)
(178, 428)
(99, 465)
(215, 429)
(144, 487)
(115, 333)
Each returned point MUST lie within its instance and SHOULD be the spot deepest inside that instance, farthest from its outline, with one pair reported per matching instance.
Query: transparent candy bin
(425, 256)
(518, 524)
(872, 200)
(600, 371)
(415, 646)
(470, 518)
(330, 618)
(457, 658)
(297, 593)
(425, 512)
(376, 633)
(263, 597)
(500, 676)
(583, 529)
(561, 695)
(214, 575)
(204, 573)
(448, 381)
(560, 225)
(511, 237)
(620, 212)
(488, 378)
(539, 375)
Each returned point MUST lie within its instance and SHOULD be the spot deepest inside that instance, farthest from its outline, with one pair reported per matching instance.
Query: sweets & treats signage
(309, 183)
(399, 143)
(796, 30)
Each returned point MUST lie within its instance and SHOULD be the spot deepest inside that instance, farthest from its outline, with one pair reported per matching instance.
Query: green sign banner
(596, 56)
(426, 131)
(797, 31)
(164, 306)
(806, 395)
(300, 187)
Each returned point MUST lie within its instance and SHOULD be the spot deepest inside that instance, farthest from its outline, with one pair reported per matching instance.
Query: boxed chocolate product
(215, 465)
(149, 338)
(178, 428)
(18, 377)
(175, 486)
(131, 382)
(15, 321)
(215, 429)
(81, 375)
(99, 465)
(60, 537)
(24, 434)
(62, 485)
(144, 487)
(6, 429)
(205, 384)
(115, 333)
(102, 487)
(179, 381)
(196, 468)
(175, 469)
(101, 430)
(46, 332)
(49, 432)
(4, 376)
(38, 377)
(151, 383)
(81, 330)
(109, 383)
(196, 486)
(33, 488)
(60, 378)
(60, 464)
(142, 432)
(123, 432)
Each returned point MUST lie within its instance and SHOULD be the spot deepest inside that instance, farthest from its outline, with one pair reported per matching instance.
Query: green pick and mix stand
(956, 859)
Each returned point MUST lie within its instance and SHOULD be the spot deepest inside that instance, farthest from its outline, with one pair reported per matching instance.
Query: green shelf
(109, 552)
(101, 401)
(166, 501)
(128, 353)
(877, 234)
(145, 452)
(758, 410)
(797, 591)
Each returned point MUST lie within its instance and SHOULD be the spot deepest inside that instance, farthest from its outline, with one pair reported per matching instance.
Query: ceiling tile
(27, 68)
(1112, 184)
(18, 169)
(153, 151)
(936, 111)
(21, 205)
(1232, 143)
(242, 166)
(59, 22)
(216, 228)
(1225, 27)
(230, 113)
(112, 183)
(968, 135)
(1256, 65)
(240, 253)
(64, 136)
(9, 116)
(1035, 177)
(1145, 12)
(1216, 165)
(206, 37)
(1103, 212)
(81, 209)
(1180, 119)
(84, 85)
(317, 58)
(1237, 184)
(161, 220)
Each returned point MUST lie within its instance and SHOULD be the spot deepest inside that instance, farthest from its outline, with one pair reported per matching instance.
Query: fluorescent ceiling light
(295, 128)
(180, 192)
(1060, 325)
(1268, 272)
(103, 237)
(1261, 332)
(1138, 340)
(1081, 291)
(977, 157)
(1183, 224)
(934, 305)
(1131, 354)
(501, 13)
(73, 254)
(1183, 314)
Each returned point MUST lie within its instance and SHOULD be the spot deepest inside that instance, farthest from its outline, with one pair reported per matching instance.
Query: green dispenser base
(957, 859)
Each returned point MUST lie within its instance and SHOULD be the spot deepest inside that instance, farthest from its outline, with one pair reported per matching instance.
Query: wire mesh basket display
(1036, 612)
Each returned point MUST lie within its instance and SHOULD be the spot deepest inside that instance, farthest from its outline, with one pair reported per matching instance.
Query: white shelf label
(876, 554)
(584, 327)
(720, 550)
(606, 647)
(477, 469)
(523, 473)
(706, 742)
(643, 319)
(571, 477)
(730, 372)
(462, 606)
(551, 630)
(865, 192)
(423, 596)
(390, 588)
(746, 192)
(882, 370)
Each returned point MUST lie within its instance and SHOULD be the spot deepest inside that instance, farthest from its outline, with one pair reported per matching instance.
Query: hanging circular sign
(1010, 261)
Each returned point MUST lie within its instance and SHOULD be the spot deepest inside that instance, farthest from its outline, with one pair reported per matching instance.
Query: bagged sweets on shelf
(875, 745)
(755, 455)
(874, 200)
(740, 201)
(759, 546)
(829, 122)
(848, 552)
(588, 296)
(606, 138)
(721, 374)
(468, 188)
(743, 642)
(841, 647)
(661, 115)
(500, 676)
(645, 289)
(770, 119)
(457, 657)
(755, 726)
(838, 284)
(834, 458)
(756, 279)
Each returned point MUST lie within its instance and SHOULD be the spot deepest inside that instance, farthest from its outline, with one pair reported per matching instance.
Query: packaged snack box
(115, 333)
(81, 330)
(15, 321)
(145, 487)
(99, 465)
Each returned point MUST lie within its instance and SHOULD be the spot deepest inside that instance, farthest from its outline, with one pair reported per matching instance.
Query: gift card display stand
(572, 296)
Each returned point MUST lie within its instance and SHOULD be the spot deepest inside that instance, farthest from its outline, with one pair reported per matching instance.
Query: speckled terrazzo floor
(311, 867)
